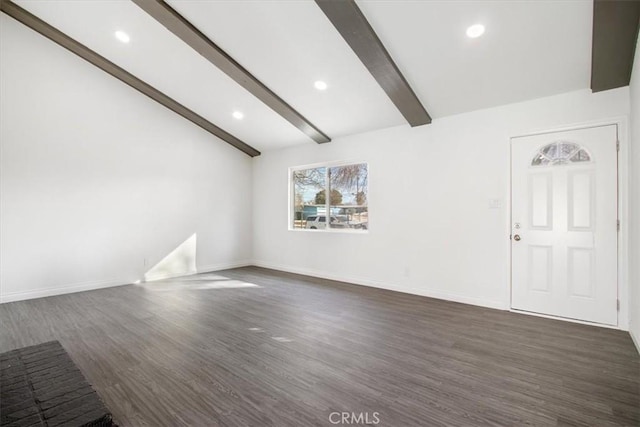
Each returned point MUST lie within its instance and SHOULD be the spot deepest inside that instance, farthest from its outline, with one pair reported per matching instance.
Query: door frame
(622, 130)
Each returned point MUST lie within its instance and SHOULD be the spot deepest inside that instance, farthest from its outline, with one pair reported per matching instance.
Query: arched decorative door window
(560, 153)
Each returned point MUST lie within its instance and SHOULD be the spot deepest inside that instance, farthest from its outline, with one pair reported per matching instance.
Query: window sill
(330, 231)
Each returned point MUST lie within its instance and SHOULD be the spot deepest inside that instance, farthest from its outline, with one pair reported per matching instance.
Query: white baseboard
(89, 286)
(169, 276)
(61, 290)
(375, 284)
(217, 267)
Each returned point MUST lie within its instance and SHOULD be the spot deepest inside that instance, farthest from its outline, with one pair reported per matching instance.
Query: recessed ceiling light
(238, 115)
(475, 31)
(122, 36)
(320, 85)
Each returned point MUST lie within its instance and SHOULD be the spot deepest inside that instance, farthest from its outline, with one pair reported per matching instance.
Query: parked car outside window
(320, 222)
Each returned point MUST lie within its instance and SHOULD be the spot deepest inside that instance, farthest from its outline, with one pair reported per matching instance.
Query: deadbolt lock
(516, 237)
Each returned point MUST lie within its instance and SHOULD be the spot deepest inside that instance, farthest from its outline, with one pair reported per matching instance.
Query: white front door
(564, 224)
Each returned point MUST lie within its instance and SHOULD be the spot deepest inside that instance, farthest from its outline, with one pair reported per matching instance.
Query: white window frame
(327, 229)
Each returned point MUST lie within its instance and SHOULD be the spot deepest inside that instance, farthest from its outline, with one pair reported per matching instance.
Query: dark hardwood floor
(256, 347)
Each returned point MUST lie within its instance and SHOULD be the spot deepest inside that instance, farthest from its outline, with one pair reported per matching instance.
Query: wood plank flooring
(257, 347)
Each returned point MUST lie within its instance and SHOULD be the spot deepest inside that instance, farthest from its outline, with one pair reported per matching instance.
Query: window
(560, 153)
(346, 206)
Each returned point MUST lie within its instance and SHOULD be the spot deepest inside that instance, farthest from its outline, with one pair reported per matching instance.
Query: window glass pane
(540, 160)
(348, 196)
(550, 151)
(581, 156)
(307, 204)
(566, 149)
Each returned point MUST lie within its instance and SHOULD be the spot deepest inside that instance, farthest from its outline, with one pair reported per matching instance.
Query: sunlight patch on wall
(180, 262)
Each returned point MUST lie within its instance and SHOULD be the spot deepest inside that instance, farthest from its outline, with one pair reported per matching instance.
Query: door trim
(622, 130)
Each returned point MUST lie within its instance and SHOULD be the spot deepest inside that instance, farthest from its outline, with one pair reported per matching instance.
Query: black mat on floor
(41, 386)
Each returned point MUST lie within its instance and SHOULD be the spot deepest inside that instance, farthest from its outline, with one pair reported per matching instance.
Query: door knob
(516, 237)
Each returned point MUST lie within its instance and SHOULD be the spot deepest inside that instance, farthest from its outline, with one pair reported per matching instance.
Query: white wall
(634, 205)
(432, 231)
(96, 178)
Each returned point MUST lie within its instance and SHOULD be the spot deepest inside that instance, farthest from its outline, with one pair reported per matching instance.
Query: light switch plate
(495, 203)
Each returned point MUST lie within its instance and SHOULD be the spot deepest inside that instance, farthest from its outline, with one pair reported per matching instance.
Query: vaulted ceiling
(530, 49)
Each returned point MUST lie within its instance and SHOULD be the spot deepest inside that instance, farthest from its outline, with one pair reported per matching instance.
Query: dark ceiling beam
(183, 29)
(615, 32)
(104, 64)
(348, 19)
